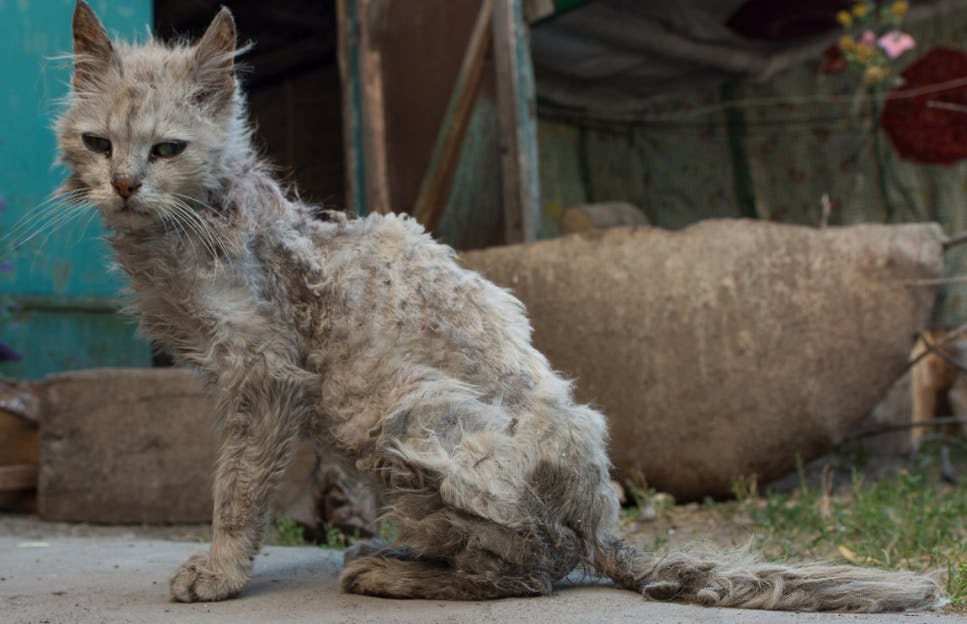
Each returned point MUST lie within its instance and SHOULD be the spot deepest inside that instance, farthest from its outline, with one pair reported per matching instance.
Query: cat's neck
(182, 278)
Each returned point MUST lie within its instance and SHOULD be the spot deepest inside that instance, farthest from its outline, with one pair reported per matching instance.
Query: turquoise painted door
(59, 294)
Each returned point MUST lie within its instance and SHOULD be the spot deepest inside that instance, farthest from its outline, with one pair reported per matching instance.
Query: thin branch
(956, 239)
(933, 422)
(931, 348)
(936, 281)
(641, 115)
(947, 106)
(946, 357)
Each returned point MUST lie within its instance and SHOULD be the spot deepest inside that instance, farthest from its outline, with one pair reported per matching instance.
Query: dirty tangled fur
(739, 579)
(368, 337)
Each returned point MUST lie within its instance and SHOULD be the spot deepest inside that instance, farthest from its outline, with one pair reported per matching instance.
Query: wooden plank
(19, 446)
(515, 98)
(434, 188)
(374, 114)
(19, 440)
(18, 477)
(360, 66)
(19, 405)
(348, 48)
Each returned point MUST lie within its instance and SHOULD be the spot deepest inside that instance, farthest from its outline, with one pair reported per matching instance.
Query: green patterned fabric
(769, 149)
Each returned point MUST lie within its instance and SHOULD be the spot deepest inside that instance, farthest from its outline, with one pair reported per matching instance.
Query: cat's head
(150, 129)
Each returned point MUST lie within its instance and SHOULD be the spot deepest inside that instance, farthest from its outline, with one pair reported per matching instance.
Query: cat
(366, 336)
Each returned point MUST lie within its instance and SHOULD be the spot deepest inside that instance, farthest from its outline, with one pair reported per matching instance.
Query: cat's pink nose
(125, 187)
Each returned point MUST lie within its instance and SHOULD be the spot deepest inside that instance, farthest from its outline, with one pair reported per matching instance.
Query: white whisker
(50, 224)
(200, 225)
(43, 213)
(169, 218)
(202, 229)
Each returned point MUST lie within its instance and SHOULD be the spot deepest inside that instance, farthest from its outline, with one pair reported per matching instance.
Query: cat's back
(394, 260)
(401, 293)
(388, 256)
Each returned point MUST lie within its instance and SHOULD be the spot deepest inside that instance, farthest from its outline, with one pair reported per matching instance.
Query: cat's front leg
(256, 446)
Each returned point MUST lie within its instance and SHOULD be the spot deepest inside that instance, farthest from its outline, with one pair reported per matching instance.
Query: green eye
(168, 149)
(96, 143)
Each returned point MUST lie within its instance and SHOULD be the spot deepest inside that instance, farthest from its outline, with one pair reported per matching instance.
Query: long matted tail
(739, 579)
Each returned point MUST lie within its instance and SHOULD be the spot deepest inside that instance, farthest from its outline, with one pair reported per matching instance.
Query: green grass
(287, 533)
(337, 540)
(909, 520)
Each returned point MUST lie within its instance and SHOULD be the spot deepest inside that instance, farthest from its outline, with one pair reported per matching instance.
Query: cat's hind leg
(398, 573)
(464, 482)
(258, 431)
(471, 559)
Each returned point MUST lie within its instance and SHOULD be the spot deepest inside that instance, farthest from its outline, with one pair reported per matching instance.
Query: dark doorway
(291, 76)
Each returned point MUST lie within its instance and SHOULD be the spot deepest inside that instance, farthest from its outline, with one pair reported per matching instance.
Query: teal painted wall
(60, 290)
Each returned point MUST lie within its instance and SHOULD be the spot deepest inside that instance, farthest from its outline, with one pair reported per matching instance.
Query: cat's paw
(368, 576)
(196, 581)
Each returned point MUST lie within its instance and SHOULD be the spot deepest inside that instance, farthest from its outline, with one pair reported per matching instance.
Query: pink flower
(895, 43)
(868, 37)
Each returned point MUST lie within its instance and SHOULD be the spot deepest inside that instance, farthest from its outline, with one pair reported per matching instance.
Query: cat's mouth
(130, 214)
(130, 207)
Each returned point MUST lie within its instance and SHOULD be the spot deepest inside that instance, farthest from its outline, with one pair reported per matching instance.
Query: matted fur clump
(367, 337)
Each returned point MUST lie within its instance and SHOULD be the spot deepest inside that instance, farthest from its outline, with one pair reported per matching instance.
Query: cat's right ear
(215, 60)
(93, 52)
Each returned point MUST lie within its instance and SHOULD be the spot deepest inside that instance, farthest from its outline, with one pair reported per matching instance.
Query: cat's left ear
(215, 59)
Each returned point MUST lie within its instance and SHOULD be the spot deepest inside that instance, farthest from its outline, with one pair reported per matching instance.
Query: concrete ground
(76, 580)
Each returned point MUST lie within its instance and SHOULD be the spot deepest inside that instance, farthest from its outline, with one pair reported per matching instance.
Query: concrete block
(126, 446)
(132, 446)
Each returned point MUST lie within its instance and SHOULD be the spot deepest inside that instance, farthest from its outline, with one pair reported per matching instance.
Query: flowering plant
(874, 39)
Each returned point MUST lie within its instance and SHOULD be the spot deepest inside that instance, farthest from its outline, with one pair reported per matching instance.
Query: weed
(339, 540)
(638, 503)
(335, 539)
(957, 586)
(646, 504)
(289, 532)
(659, 543)
(745, 487)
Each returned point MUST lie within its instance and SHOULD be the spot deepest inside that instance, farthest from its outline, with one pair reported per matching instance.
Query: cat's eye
(96, 143)
(167, 149)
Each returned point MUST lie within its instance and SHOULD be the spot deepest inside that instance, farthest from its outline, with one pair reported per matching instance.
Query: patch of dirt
(720, 526)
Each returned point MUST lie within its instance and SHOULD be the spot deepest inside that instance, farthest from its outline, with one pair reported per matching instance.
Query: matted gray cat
(367, 337)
